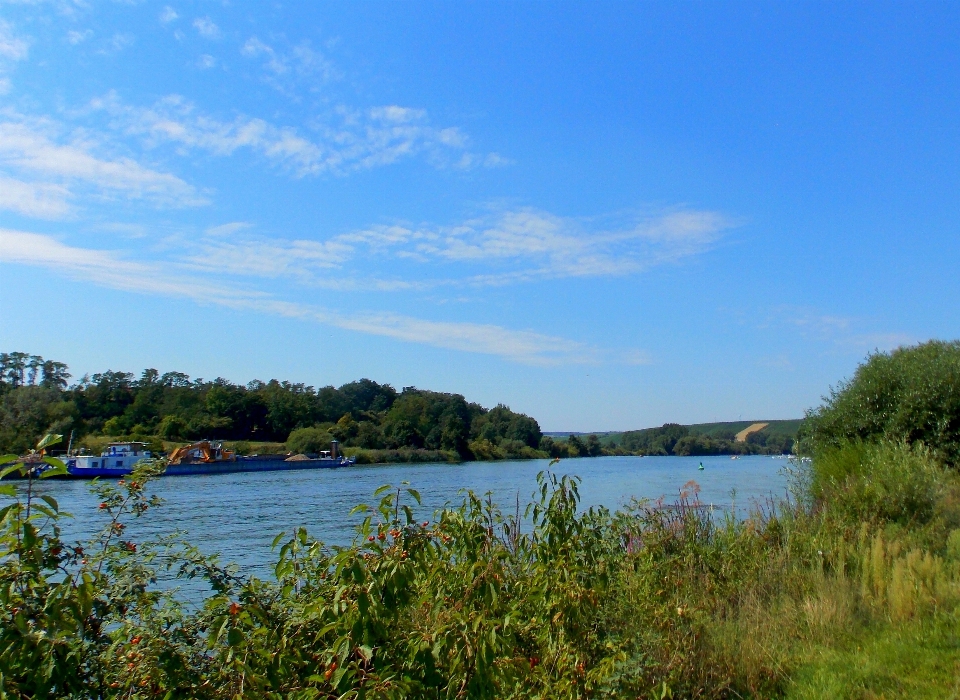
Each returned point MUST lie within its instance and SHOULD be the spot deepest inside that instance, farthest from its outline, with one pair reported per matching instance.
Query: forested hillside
(777, 437)
(36, 398)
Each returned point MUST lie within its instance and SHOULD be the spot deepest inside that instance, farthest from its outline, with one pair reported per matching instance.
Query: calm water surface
(238, 515)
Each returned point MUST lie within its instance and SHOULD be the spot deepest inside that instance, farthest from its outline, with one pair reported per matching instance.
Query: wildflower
(234, 608)
(102, 506)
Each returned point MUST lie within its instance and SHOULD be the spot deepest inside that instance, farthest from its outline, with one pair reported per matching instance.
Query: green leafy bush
(887, 481)
(910, 394)
(311, 440)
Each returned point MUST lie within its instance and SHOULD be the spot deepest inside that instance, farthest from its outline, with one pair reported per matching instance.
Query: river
(238, 515)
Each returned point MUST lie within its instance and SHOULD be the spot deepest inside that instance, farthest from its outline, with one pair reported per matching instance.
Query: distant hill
(784, 428)
(724, 430)
(774, 437)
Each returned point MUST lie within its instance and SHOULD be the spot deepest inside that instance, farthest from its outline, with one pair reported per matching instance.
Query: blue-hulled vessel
(205, 457)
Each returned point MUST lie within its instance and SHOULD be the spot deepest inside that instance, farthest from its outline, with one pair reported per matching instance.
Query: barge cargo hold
(120, 458)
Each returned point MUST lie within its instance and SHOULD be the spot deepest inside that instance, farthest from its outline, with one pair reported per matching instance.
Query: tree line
(35, 398)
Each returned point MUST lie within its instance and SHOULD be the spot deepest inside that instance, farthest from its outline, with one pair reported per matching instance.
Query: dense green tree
(576, 446)
(30, 411)
(501, 423)
(910, 394)
(309, 440)
(593, 447)
(653, 441)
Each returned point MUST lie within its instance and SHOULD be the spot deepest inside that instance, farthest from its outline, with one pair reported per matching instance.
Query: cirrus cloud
(112, 270)
(43, 171)
(346, 141)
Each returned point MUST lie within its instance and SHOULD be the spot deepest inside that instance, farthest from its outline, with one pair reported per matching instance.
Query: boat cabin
(118, 455)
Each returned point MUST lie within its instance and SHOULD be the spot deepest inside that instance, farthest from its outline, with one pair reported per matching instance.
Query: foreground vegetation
(851, 590)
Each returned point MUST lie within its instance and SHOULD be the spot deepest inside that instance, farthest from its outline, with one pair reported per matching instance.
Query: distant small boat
(701, 466)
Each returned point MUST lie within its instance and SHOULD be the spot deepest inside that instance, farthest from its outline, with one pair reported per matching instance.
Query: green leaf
(49, 439)
(338, 675)
(55, 471)
(276, 540)
(9, 470)
(44, 510)
(8, 490)
(6, 459)
(54, 462)
(415, 494)
(216, 631)
(234, 637)
(385, 487)
(50, 501)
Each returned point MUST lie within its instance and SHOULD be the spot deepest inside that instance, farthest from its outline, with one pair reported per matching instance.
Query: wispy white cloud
(509, 246)
(41, 172)
(109, 269)
(75, 37)
(635, 357)
(206, 61)
(168, 15)
(848, 333)
(40, 200)
(118, 42)
(291, 69)
(348, 141)
(12, 47)
(206, 27)
(877, 341)
(228, 229)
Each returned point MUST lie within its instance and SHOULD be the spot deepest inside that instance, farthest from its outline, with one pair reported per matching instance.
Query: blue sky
(606, 215)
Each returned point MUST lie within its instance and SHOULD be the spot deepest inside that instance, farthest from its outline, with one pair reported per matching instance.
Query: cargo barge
(206, 457)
